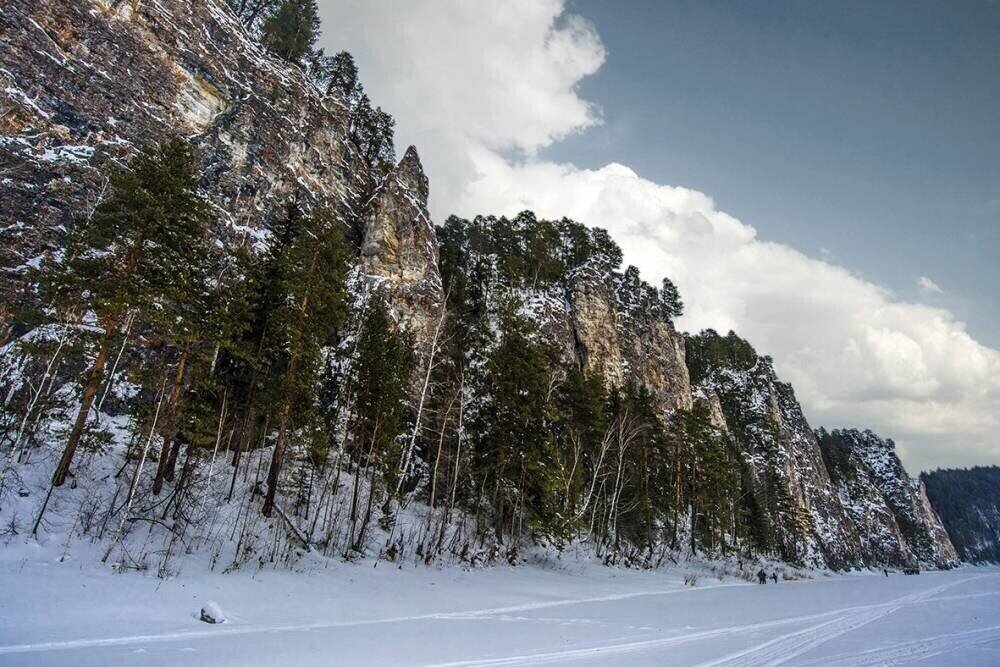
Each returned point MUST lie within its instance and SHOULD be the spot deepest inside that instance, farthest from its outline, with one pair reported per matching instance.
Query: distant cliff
(894, 518)
(840, 499)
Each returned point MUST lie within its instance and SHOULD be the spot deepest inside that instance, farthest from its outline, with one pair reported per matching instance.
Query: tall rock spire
(400, 251)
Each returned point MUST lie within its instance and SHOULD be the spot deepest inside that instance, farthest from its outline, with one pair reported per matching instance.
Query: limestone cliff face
(399, 250)
(942, 550)
(565, 279)
(611, 322)
(85, 83)
(619, 329)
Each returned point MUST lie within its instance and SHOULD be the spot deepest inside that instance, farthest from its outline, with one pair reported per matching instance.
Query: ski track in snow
(773, 652)
(782, 649)
(908, 652)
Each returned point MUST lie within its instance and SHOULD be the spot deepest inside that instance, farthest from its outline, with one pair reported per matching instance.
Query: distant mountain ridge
(968, 502)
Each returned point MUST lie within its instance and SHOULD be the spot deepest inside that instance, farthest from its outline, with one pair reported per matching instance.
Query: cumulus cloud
(500, 76)
(928, 286)
(481, 87)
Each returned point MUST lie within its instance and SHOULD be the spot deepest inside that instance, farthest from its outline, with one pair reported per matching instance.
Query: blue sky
(866, 132)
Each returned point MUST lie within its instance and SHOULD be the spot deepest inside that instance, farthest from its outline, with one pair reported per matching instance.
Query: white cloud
(928, 286)
(497, 75)
(471, 82)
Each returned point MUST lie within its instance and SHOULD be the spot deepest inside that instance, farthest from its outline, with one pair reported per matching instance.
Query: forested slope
(968, 502)
(230, 326)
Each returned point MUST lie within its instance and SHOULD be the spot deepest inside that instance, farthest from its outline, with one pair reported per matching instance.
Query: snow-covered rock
(893, 518)
(840, 499)
(779, 447)
(211, 612)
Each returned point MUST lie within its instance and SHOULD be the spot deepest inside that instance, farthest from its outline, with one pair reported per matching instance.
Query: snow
(78, 154)
(329, 612)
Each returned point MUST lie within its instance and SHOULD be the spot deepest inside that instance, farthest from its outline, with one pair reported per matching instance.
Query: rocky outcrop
(943, 550)
(781, 452)
(890, 509)
(840, 499)
(620, 330)
(85, 83)
(611, 323)
(566, 279)
(399, 251)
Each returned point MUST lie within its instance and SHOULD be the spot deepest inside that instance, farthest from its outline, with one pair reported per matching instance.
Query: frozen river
(63, 613)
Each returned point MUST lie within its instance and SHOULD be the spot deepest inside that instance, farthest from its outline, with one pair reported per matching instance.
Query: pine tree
(291, 30)
(582, 424)
(714, 481)
(305, 306)
(372, 133)
(371, 128)
(671, 299)
(136, 257)
(340, 73)
(647, 470)
(192, 326)
(377, 387)
(253, 12)
(516, 457)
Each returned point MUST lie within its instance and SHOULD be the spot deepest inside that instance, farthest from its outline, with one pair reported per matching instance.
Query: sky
(880, 121)
(823, 180)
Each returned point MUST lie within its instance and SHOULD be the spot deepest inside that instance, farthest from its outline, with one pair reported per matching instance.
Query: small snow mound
(212, 613)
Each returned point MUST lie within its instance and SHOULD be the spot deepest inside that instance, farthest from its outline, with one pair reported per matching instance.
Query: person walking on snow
(761, 576)
(886, 570)
(774, 577)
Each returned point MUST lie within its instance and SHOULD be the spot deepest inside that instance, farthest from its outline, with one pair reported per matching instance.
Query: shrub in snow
(212, 613)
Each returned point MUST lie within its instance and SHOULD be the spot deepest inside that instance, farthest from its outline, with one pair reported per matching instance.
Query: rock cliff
(890, 509)
(399, 250)
(841, 499)
(569, 283)
(777, 445)
(620, 329)
(86, 83)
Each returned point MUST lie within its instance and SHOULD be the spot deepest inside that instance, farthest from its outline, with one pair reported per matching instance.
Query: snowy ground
(336, 613)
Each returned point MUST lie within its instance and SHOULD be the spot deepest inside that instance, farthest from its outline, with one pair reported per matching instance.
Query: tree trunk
(168, 450)
(440, 449)
(404, 464)
(245, 433)
(15, 450)
(94, 377)
(360, 541)
(275, 468)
